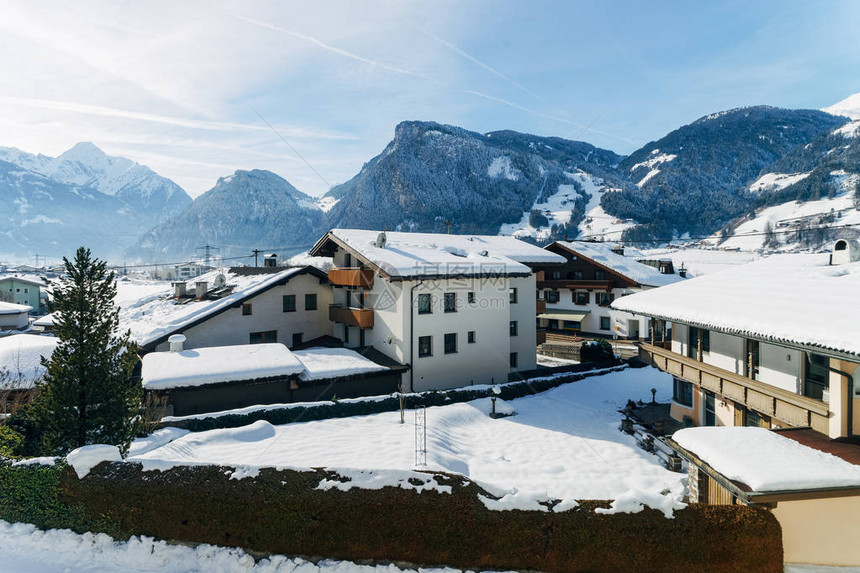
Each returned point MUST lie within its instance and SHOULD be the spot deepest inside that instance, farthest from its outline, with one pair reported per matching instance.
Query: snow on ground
(501, 167)
(325, 203)
(543, 360)
(788, 216)
(765, 460)
(597, 222)
(556, 208)
(25, 548)
(562, 444)
(849, 107)
(776, 181)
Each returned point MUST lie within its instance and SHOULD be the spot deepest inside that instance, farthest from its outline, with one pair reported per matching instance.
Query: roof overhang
(574, 315)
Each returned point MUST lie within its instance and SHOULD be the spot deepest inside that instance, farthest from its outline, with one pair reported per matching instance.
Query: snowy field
(563, 444)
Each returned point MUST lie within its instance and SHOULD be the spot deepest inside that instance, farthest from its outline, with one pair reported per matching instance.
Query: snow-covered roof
(21, 354)
(200, 366)
(12, 308)
(30, 280)
(320, 363)
(156, 313)
(408, 255)
(794, 299)
(766, 461)
(601, 253)
(211, 365)
(47, 320)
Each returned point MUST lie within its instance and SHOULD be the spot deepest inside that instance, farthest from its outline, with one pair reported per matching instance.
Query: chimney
(176, 342)
(619, 250)
(179, 289)
(682, 272)
(270, 260)
(200, 289)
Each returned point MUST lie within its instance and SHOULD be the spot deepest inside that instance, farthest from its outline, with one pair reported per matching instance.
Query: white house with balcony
(456, 309)
(774, 343)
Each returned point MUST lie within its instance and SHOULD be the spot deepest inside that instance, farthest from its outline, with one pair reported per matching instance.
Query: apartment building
(457, 309)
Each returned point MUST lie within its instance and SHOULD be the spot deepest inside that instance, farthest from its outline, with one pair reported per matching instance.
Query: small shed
(14, 316)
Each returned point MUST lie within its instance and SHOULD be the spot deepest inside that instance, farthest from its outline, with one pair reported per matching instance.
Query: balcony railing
(360, 317)
(540, 306)
(789, 407)
(351, 277)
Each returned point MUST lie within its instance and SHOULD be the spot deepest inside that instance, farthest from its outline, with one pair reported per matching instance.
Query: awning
(574, 315)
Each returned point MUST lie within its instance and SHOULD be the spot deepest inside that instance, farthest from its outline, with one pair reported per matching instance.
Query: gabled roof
(154, 318)
(798, 300)
(432, 255)
(601, 254)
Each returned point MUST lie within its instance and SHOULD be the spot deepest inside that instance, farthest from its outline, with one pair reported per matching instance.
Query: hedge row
(282, 511)
(342, 409)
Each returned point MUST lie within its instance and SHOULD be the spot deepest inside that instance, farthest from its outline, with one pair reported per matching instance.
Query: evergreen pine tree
(87, 395)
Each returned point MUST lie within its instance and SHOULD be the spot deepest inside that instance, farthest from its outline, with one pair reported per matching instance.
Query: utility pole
(256, 253)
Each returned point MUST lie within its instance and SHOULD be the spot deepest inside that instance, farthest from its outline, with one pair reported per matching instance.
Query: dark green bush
(599, 350)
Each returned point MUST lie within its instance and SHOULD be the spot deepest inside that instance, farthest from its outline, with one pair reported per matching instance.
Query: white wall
(726, 352)
(14, 321)
(231, 327)
(780, 367)
(523, 311)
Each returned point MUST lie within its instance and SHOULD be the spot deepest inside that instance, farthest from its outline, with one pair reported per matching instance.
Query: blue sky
(189, 88)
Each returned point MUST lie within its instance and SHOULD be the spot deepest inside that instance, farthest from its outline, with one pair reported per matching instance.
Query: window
(551, 296)
(289, 302)
(572, 325)
(605, 323)
(264, 337)
(311, 301)
(577, 275)
(424, 304)
(710, 409)
(451, 343)
(26, 290)
(513, 360)
(599, 275)
(580, 297)
(556, 275)
(471, 297)
(450, 302)
(514, 328)
(816, 380)
(425, 346)
(470, 337)
(247, 309)
(604, 298)
(345, 333)
(513, 295)
(361, 338)
(297, 338)
(682, 392)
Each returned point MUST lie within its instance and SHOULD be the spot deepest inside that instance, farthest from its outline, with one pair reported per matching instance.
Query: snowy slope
(849, 107)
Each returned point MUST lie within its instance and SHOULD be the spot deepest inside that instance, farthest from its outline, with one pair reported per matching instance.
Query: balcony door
(710, 409)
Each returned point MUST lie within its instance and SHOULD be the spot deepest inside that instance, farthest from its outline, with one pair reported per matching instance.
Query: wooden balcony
(541, 336)
(360, 317)
(351, 277)
(540, 306)
(789, 407)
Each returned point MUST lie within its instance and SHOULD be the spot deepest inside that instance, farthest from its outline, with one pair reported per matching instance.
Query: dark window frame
(311, 298)
(450, 343)
(288, 303)
(428, 307)
(450, 302)
(425, 346)
(247, 309)
(607, 321)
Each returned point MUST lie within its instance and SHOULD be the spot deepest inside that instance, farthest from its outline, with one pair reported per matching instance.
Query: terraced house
(774, 343)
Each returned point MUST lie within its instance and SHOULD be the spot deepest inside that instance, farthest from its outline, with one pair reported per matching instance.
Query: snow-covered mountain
(435, 177)
(85, 165)
(247, 210)
(83, 197)
(849, 107)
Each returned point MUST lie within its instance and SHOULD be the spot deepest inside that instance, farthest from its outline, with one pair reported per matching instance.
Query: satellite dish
(220, 280)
